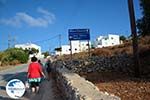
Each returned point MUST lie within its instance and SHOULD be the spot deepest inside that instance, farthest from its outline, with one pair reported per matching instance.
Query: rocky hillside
(118, 58)
(111, 69)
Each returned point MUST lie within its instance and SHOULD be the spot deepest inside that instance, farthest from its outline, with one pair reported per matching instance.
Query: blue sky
(41, 21)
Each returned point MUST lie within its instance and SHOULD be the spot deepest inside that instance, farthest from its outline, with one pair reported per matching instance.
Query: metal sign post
(70, 50)
(89, 48)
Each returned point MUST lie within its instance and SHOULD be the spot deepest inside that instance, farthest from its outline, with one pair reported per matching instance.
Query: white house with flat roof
(77, 46)
(65, 49)
(105, 41)
(29, 46)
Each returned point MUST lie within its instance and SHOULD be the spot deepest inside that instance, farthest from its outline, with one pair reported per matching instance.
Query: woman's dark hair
(39, 61)
(34, 59)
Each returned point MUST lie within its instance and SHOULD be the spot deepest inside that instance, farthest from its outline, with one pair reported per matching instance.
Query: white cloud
(47, 15)
(24, 18)
(15, 21)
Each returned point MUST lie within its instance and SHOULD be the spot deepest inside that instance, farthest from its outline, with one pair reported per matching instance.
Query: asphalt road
(20, 72)
(16, 72)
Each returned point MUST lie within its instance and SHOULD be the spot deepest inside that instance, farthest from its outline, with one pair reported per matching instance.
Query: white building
(77, 46)
(105, 41)
(65, 49)
(29, 46)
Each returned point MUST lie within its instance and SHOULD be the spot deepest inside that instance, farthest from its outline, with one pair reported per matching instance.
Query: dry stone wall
(75, 87)
(122, 63)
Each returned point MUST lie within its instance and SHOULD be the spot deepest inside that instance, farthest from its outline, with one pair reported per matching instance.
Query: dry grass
(126, 87)
(126, 47)
(5, 67)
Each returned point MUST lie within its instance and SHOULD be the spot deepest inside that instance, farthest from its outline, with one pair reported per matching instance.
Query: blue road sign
(79, 34)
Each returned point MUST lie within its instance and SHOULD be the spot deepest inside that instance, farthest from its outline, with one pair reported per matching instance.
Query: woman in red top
(34, 74)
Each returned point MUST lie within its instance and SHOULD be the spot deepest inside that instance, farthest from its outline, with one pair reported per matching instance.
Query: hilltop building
(29, 46)
(105, 41)
(77, 46)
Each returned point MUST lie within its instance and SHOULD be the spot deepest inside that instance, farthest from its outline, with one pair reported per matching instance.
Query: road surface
(20, 72)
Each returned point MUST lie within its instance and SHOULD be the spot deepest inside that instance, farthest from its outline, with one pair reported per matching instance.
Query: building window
(99, 43)
(112, 38)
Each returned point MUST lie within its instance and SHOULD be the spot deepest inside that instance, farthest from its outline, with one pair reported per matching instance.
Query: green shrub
(17, 54)
(1, 55)
(14, 62)
(5, 58)
(13, 56)
(46, 54)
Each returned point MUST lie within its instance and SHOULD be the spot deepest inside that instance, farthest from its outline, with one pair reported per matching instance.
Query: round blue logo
(15, 88)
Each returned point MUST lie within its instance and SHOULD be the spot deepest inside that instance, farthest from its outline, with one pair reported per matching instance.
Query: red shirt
(34, 70)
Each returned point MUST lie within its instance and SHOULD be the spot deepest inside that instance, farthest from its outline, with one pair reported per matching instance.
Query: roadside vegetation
(13, 56)
(46, 54)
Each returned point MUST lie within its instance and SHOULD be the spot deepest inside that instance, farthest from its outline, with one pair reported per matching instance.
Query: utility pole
(14, 41)
(59, 40)
(49, 50)
(9, 40)
(134, 38)
(60, 43)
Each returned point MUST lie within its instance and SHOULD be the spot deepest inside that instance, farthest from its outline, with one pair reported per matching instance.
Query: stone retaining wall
(121, 63)
(75, 87)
